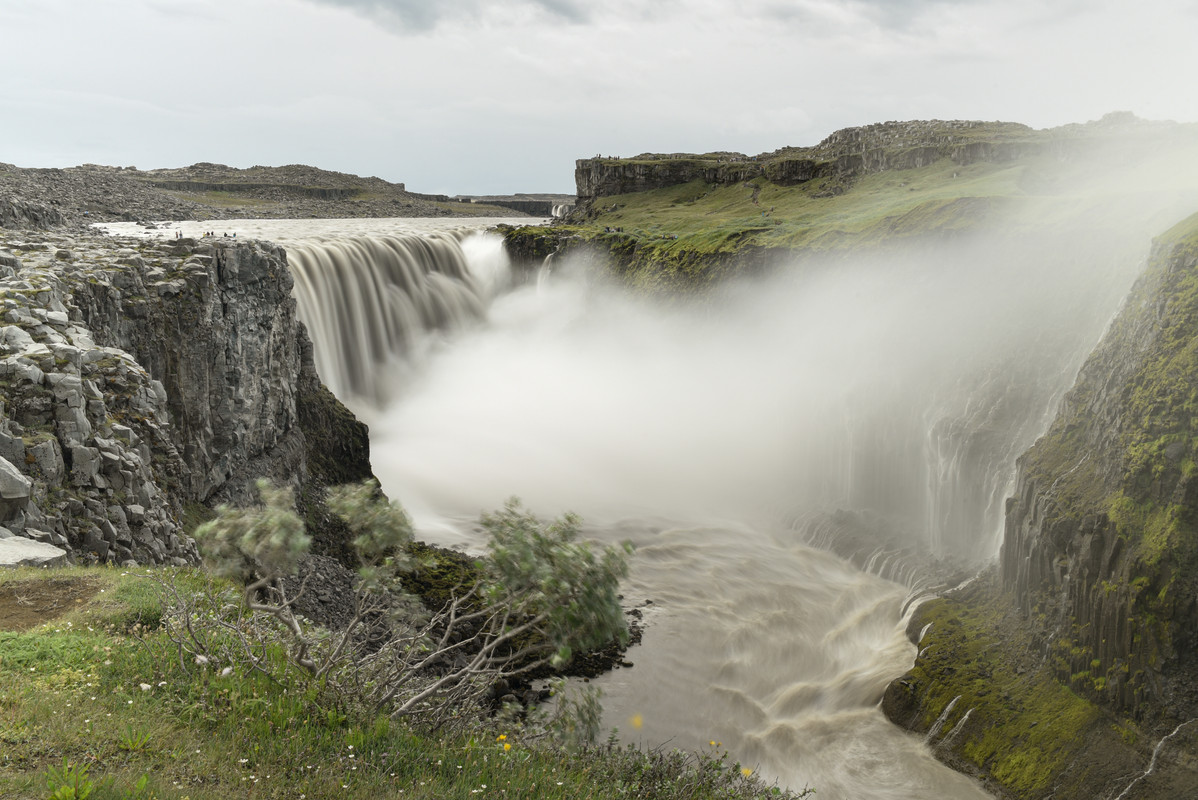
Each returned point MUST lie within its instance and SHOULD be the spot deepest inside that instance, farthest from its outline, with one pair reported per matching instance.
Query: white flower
(201, 660)
(226, 672)
(145, 687)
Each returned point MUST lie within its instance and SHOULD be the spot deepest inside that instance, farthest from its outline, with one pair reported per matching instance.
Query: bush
(544, 595)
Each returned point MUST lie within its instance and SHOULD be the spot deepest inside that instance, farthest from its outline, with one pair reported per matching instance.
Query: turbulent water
(879, 403)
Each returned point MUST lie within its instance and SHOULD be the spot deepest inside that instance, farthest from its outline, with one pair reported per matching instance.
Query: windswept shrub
(544, 595)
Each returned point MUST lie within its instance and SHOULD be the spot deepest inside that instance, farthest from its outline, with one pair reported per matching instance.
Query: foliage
(545, 594)
(543, 570)
(257, 544)
(69, 782)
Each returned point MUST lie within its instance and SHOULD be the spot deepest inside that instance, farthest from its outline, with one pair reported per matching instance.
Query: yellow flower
(507, 746)
(746, 771)
(712, 743)
(501, 737)
(637, 721)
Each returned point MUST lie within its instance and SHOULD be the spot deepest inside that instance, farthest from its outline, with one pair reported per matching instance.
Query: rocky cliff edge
(142, 382)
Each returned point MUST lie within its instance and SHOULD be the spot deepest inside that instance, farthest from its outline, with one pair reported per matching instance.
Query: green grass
(706, 216)
(99, 688)
(221, 199)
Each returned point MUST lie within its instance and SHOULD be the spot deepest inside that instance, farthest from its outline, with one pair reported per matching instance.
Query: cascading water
(882, 398)
(374, 303)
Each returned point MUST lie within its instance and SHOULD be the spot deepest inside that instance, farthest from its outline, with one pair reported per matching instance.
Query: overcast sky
(491, 96)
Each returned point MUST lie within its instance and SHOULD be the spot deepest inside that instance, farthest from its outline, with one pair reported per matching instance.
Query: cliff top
(901, 135)
(98, 193)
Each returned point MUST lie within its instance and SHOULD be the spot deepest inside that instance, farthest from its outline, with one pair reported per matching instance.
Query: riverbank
(94, 696)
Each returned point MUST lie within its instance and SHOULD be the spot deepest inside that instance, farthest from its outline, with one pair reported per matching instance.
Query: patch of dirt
(27, 604)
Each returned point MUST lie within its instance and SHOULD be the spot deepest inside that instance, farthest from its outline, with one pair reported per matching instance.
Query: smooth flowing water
(723, 438)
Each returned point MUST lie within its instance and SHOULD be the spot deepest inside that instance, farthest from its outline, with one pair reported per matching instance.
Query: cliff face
(1071, 669)
(217, 326)
(846, 153)
(18, 213)
(144, 380)
(1101, 543)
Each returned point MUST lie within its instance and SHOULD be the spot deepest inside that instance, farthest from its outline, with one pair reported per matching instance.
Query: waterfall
(373, 304)
(938, 725)
(891, 394)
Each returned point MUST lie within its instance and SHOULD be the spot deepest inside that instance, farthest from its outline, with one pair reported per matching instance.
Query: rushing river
(719, 436)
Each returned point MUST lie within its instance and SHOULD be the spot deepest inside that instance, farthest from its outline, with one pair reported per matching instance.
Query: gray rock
(13, 485)
(47, 456)
(20, 552)
(93, 542)
(11, 447)
(125, 434)
(14, 338)
(85, 465)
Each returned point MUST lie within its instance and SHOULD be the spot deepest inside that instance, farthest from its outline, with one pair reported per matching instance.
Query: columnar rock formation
(1075, 661)
(145, 379)
(1100, 543)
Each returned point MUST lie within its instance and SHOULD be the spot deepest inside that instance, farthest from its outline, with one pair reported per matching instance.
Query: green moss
(1183, 234)
(440, 574)
(195, 515)
(1024, 726)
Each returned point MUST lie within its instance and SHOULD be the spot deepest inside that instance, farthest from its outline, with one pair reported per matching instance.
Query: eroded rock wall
(1101, 542)
(143, 379)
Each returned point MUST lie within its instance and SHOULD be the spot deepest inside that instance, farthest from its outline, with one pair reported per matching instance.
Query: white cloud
(479, 95)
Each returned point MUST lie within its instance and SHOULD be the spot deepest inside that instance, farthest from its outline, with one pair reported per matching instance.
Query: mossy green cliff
(1079, 654)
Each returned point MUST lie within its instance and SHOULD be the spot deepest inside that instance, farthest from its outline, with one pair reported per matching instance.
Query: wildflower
(507, 746)
(501, 737)
(746, 771)
(637, 721)
(226, 672)
(145, 687)
(201, 660)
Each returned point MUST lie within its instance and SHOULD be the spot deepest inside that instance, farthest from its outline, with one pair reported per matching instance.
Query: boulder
(16, 551)
(14, 490)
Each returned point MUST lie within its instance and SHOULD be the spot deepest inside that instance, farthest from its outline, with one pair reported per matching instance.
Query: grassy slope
(99, 688)
(692, 235)
(706, 217)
